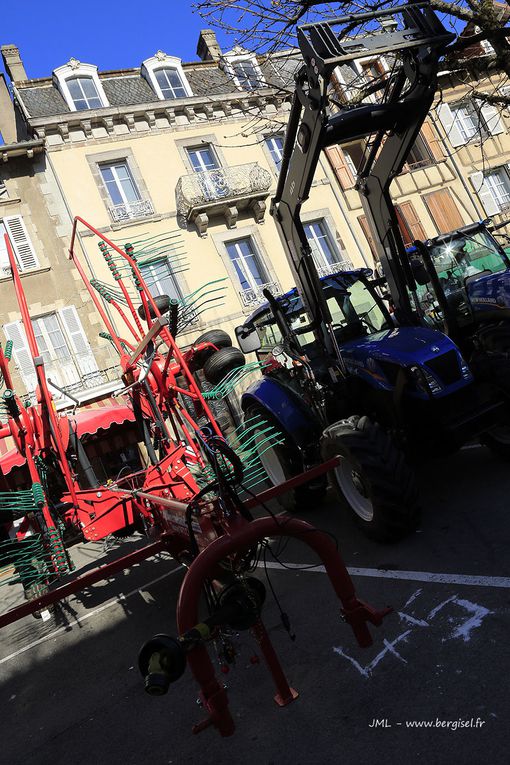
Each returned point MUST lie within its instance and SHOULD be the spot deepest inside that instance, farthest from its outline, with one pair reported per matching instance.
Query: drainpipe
(334, 186)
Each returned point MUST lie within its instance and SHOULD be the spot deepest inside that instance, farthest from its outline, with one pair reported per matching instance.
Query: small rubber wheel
(217, 337)
(217, 367)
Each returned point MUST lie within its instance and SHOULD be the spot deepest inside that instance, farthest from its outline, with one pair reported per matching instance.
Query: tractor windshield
(455, 259)
(355, 312)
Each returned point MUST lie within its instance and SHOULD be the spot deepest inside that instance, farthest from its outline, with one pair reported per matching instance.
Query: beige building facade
(181, 159)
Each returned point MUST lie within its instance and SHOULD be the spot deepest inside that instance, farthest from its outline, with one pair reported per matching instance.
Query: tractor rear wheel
(373, 478)
(283, 461)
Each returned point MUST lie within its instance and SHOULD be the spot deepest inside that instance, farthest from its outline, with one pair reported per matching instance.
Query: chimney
(13, 63)
(7, 116)
(208, 48)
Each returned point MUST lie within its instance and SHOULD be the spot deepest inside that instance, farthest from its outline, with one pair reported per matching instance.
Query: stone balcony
(223, 191)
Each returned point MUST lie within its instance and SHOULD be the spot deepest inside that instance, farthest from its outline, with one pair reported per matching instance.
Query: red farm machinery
(188, 490)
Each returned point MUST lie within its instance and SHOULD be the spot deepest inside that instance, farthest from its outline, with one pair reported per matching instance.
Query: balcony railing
(326, 269)
(79, 374)
(222, 184)
(139, 209)
(253, 296)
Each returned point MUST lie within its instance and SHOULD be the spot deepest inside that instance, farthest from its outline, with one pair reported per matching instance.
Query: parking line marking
(89, 615)
(414, 576)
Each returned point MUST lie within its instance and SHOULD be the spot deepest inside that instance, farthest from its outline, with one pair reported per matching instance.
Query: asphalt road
(70, 691)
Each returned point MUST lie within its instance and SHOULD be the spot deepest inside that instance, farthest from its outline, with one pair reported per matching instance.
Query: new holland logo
(435, 349)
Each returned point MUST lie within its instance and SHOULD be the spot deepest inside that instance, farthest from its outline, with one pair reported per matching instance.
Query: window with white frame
(84, 93)
(247, 74)
(242, 66)
(160, 279)
(210, 177)
(247, 264)
(274, 144)
(469, 121)
(63, 345)
(498, 183)
(324, 251)
(170, 83)
(123, 193)
(24, 252)
(80, 86)
(166, 76)
(119, 183)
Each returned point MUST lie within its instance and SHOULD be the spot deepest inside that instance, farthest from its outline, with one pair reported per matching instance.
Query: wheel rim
(354, 490)
(270, 460)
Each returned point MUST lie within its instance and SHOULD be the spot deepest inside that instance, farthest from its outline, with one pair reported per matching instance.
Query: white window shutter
(489, 204)
(492, 119)
(447, 118)
(5, 267)
(15, 332)
(21, 244)
(78, 339)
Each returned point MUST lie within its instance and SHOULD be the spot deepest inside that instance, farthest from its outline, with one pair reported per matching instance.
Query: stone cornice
(196, 110)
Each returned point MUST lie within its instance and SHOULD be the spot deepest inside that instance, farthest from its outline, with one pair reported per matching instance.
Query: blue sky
(113, 35)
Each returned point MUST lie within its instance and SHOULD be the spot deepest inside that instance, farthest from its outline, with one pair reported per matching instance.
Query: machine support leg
(285, 694)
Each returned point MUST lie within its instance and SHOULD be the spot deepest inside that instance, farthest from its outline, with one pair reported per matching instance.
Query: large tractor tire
(284, 461)
(373, 478)
(218, 366)
(494, 338)
(217, 337)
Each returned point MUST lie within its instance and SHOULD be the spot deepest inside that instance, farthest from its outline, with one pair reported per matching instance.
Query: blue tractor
(344, 376)
(415, 390)
(463, 288)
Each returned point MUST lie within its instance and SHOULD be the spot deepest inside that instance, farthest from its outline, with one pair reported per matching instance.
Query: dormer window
(170, 83)
(84, 93)
(244, 70)
(166, 77)
(246, 75)
(80, 86)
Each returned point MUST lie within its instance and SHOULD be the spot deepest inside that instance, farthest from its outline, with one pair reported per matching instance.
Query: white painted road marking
(477, 614)
(89, 615)
(414, 576)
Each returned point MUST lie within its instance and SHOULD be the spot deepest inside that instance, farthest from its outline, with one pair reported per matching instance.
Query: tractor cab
(463, 277)
(356, 309)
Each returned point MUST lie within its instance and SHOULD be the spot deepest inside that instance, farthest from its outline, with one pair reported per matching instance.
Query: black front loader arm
(396, 122)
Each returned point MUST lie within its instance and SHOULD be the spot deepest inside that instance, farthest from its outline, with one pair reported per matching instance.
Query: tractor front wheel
(281, 461)
(373, 479)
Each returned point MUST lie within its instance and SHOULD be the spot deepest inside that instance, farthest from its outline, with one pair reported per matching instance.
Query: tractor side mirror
(248, 338)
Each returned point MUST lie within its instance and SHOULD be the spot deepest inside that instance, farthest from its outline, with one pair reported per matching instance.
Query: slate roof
(122, 91)
(209, 80)
(43, 101)
(131, 88)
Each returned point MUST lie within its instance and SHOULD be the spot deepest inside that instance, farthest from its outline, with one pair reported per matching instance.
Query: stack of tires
(217, 364)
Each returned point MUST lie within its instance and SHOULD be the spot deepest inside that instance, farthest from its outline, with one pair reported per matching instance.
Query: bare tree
(482, 27)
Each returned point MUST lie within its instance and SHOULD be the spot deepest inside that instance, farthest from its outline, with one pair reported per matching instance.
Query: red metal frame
(161, 494)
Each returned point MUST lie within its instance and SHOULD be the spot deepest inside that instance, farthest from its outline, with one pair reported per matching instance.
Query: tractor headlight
(425, 381)
(465, 370)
